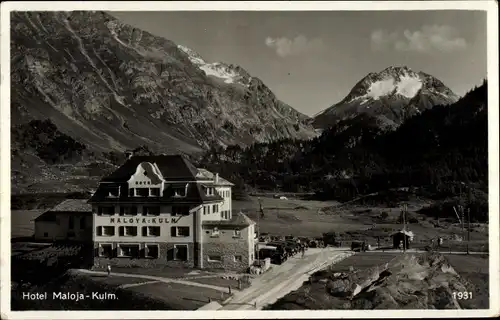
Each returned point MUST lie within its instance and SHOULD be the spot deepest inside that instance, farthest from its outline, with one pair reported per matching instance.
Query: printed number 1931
(462, 295)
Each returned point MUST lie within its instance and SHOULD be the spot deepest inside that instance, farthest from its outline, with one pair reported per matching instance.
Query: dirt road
(282, 279)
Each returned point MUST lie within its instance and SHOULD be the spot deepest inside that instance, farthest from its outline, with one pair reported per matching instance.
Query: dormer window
(210, 191)
(142, 192)
(179, 192)
(113, 192)
(154, 192)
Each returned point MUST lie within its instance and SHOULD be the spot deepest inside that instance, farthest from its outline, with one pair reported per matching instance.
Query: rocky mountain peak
(391, 95)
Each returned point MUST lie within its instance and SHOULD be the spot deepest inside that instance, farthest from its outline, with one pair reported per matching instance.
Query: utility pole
(258, 231)
(468, 229)
(405, 207)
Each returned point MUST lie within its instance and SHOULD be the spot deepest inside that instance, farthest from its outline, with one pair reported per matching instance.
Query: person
(303, 249)
(401, 245)
(440, 241)
(109, 270)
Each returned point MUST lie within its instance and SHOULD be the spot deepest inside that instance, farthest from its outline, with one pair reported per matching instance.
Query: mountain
(389, 97)
(433, 152)
(111, 86)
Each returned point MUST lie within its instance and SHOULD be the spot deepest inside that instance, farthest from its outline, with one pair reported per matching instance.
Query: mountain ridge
(391, 95)
(89, 72)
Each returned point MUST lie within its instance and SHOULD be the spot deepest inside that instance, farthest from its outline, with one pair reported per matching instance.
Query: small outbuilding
(403, 235)
(69, 220)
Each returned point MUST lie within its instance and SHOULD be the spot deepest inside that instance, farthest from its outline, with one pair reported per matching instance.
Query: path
(161, 279)
(424, 251)
(131, 285)
(284, 278)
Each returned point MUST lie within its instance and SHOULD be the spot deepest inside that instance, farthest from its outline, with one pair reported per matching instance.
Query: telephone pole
(258, 231)
(405, 207)
(468, 229)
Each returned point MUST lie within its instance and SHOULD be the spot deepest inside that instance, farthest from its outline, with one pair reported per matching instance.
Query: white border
(492, 15)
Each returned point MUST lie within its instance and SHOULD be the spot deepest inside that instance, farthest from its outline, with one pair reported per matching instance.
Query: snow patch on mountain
(214, 69)
(219, 70)
(408, 86)
(380, 88)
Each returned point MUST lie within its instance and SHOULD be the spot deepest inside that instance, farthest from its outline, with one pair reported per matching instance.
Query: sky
(312, 59)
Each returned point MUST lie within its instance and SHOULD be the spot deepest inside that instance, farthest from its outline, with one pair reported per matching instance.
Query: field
(22, 222)
(312, 218)
(475, 271)
(178, 296)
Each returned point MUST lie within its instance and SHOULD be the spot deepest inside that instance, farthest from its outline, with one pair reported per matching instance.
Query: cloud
(428, 39)
(285, 47)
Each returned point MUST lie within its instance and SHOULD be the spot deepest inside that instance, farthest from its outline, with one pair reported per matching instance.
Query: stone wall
(226, 251)
(165, 258)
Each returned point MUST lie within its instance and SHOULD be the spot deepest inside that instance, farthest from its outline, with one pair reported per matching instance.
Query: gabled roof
(406, 232)
(172, 168)
(73, 205)
(68, 206)
(194, 195)
(237, 220)
(204, 174)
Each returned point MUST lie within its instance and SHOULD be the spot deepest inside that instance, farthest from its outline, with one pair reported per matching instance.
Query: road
(284, 278)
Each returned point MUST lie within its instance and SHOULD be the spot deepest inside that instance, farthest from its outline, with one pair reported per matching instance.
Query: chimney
(216, 178)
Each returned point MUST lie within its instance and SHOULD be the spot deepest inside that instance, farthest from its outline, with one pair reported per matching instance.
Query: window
(142, 192)
(181, 252)
(106, 250)
(179, 231)
(105, 231)
(208, 210)
(214, 258)
(179, 192)
(131, 191)
(114, 192)
(151, 210)
(210, 191)
(152, 251)
(154, 192)
(71, 223)
(204, 210)
(214, 208)
(181, 210)
(223, 214)
(128, 231)
(106, 211)
(238, 258)
(128, 250)
(128, 211)
(45, 234)
(236, 233)
(83, 223)
(151, 231)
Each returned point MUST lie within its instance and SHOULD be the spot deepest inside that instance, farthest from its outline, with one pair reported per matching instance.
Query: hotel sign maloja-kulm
(143, 220)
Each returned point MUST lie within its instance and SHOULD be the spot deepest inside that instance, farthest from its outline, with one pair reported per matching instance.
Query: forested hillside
(441, 153)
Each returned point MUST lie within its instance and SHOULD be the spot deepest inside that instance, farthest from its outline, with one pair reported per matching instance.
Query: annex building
(70, 220)
(162, 210)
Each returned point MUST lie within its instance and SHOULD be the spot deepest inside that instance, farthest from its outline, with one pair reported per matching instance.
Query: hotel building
(162, 210)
